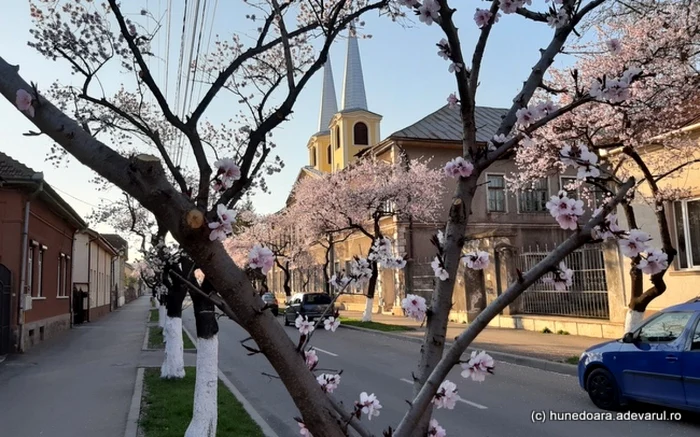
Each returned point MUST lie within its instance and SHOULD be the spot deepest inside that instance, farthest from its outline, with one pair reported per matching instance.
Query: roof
(101, 240)
(13, 172)
(116, 241)
(446, 124)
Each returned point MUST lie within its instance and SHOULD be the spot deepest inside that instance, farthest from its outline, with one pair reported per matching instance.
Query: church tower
(320, 150)
(354, 128)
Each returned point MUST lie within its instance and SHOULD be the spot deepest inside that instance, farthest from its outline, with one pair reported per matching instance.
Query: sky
(405, 80)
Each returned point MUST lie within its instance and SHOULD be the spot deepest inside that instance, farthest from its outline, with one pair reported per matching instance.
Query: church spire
(353, 83)
(329, 104)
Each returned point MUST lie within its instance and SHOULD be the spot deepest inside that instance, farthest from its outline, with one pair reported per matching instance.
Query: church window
(361, 134)
(337, 137)
(313, 156)
(329, 152)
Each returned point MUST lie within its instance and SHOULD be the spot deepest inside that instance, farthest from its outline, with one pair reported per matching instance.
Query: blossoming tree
(186, 212)
(360, 197)
(631, 128)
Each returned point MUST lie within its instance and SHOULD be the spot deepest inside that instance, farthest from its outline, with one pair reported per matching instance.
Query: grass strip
(375, 325)
(155, 339)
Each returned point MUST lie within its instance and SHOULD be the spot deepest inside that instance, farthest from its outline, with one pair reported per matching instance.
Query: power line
(73, 197)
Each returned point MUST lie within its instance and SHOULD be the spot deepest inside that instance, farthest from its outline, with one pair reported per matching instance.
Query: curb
(521, 360)
(132, 420)
(247, 406)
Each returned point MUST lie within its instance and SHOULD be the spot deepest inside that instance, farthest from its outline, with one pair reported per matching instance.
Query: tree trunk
(371, 288)
(326, 266)
(441, 302)
(205, 411)
(174, 362)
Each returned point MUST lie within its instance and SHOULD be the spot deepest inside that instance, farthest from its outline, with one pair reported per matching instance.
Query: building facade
(120, 273)
(37, 229)
(94, 278)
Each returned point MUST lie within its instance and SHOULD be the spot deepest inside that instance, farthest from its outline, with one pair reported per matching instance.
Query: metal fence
(423, 277)
(587, 296)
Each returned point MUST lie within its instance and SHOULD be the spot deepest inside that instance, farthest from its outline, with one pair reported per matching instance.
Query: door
(691, 368)
(651, 366)
(5, 287)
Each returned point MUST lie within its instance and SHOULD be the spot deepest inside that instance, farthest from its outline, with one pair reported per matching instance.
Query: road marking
(473, 404)
(325, 352)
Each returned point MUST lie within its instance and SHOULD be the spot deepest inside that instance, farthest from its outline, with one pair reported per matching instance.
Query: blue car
(659, 363)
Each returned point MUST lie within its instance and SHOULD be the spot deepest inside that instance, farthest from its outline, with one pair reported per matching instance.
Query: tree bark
(205, 410)
(371, 288)
(326, 265)
(174, 362)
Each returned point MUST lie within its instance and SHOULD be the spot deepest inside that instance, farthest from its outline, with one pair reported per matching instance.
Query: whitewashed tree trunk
(174, 362)
(633, 320)
(367, 314)
(162, 314)
(204, 417)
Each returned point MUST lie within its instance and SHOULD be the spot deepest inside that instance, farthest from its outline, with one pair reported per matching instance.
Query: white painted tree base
(162, 314)
(367, 314)
(633, 320)
(205, 414)
(174, 362)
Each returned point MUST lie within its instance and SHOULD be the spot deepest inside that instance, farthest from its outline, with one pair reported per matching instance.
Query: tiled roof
(116, 241)
(446, 124)
(12, 169)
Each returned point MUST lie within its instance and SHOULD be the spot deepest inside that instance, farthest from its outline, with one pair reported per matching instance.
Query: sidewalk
(553, 347)
(79, 383)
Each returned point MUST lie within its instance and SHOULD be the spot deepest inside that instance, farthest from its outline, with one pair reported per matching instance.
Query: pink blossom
(565, 211)
(452, 101)
(23, 101)
(527, 116)
(608, 229)
(478, 260)
(304, 326)
(444, 51)
(311, 358)
(546, 108)
(655, 262)
(226, 216)
(261, 258)
(228, 170)
(428, 12)
(482, 17)
(439, 271)
(635, 243)
(328, 382)
(510, 6)
(435, 430)
(455, 67)
(446, 396)
(478, 366)
(219, 231)
(562, 278)
(559, 19)
(370, 405)
(414, 306)
(459, 167)
(331, 324)
(303, 430)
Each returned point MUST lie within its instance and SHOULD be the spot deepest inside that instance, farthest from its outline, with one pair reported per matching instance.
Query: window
(665, 328)
(337, 137)
(695, 345)
(317, 299)
(535, 199)
(329, 152)
(313, 156)
(40, 273)
(565, 182)
(687, 222)
(62, 276)
(360, 133)
(30, 271)
(496, 193)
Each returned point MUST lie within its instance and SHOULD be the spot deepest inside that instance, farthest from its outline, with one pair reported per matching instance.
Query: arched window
(360, 134)
(313, 156)
(329, 151)
(337, 137)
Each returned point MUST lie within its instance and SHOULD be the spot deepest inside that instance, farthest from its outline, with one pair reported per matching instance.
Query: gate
(5, 287)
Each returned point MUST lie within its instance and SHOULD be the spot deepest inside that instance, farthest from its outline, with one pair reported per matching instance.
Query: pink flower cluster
(608, 229)
(656, 261)
(483, 16)
(478, 260)
(439, 269)
(368, 404)
(311, 359)
(614, 90)
(579, 157)
(435, 430)
(414, 306)
(331, 324)
(303, 324)
(328, 382)
(635, 243)
(558, 19)
(459, 167)
(566, 211)
(478, 366)
(510, 6)
(446, 396)
(227, 173)
(24, 102)
(529, 115)
(221, 228)
(261, 258)
(561, 278)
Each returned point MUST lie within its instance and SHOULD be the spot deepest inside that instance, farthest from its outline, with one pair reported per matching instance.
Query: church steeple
(329, 104)
(354, 96)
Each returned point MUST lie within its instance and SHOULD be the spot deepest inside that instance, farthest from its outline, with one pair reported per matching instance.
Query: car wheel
(603, 390)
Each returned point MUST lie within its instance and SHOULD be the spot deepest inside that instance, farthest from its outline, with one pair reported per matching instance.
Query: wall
(320, 143)
(11, 218)
(100, 280)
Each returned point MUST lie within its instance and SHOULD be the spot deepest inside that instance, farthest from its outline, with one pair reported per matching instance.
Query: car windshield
(317, 299)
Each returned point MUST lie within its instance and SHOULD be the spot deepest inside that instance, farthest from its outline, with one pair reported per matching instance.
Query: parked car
(272, 303)
(311, 305)
(658, 363)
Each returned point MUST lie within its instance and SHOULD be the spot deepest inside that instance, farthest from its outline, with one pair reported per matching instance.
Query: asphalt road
(501, 406)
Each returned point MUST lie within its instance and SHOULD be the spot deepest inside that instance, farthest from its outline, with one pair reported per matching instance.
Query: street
(502, 406)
